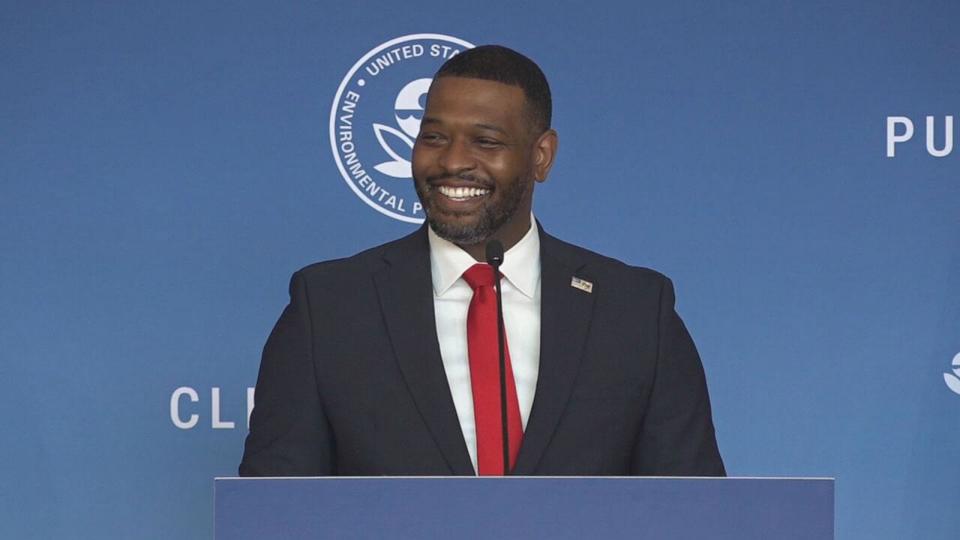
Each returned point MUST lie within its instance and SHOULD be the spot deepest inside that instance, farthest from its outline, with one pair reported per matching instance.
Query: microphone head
(494, 253)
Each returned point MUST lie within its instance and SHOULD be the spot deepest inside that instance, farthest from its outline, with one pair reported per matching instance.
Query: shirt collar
(521, 263)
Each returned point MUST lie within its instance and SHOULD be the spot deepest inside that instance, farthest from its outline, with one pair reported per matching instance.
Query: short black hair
(507, 66)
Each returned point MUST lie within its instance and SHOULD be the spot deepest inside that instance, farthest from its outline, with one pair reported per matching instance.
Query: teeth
(462, 193)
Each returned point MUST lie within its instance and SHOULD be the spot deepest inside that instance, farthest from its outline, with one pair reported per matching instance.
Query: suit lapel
(405, 289)
(565, 314)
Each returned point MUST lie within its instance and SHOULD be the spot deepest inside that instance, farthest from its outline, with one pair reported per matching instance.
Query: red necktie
(484, 353)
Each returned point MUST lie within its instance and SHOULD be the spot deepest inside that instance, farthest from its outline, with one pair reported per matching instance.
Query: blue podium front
(524, 507)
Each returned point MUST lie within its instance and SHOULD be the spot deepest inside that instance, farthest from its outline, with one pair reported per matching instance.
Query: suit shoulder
(364, 260)
(602, 266)
(358, 266)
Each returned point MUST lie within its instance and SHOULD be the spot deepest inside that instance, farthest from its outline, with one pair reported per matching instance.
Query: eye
(487, 142)
(430, 138)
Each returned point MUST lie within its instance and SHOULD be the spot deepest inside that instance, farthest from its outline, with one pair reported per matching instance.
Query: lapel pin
(581, 284)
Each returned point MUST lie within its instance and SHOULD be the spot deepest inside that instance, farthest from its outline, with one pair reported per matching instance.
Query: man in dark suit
(378, 365)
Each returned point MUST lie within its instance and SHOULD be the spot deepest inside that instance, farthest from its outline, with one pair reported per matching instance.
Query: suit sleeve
(677, 436)
(289, 432)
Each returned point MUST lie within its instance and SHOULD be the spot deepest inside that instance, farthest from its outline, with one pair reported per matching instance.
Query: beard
(492, 215)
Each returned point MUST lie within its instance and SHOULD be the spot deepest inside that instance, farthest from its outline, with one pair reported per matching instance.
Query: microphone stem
(503, 374)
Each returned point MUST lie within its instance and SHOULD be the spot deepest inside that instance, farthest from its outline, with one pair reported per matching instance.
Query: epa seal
(376, 115)
(953, 379)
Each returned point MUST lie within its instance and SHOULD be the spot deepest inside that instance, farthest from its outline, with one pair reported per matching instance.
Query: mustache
(465, 177)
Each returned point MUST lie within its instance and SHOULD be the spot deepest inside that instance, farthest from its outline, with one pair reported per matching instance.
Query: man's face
(475, 160)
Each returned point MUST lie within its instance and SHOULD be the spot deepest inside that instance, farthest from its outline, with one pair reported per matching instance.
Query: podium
(524, 508)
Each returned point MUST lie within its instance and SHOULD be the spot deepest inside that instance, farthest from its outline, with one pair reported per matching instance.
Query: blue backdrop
(165, 167)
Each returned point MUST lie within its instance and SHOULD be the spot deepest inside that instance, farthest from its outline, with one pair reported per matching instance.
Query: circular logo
(376, 115)
(953, 379)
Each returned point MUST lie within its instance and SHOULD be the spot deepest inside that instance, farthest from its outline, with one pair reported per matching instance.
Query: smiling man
(387, 363)
(480, 149)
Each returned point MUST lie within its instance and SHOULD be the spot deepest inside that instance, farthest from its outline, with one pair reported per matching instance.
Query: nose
(456, 157)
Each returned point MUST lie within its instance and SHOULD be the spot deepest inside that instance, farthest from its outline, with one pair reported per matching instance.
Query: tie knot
(479, 275)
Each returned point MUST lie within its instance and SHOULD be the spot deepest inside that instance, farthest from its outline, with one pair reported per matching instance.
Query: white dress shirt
(521, 318)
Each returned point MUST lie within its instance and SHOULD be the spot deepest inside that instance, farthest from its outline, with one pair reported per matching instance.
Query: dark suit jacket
(352, 383)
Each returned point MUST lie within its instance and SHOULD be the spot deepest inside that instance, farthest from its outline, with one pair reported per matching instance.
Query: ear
(544, 153)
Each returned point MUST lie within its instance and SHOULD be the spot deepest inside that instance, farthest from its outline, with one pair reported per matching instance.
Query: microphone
(494, 253)
(495, 259)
